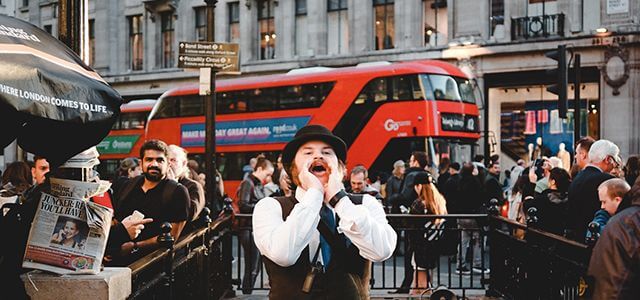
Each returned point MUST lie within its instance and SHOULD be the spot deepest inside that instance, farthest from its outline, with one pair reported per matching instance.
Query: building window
(92, 42)
(234, 22)
(435, 23)
(25, 3)
(136, 49)
(497, 17)
(201, 24)
(337, 27)
(383, 24)
(168, 36)
(48, 29)
(301, 28)
(266, 29)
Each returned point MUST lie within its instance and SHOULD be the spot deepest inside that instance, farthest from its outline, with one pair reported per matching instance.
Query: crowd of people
(164, 186)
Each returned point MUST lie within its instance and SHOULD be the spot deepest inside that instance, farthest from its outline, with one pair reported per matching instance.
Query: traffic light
(560, 87)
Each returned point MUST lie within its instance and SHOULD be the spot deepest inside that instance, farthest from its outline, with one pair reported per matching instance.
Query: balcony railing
(537, 27)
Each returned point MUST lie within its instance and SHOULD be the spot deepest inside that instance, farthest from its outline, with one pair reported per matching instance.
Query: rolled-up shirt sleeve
(367, 227)
(283, 241)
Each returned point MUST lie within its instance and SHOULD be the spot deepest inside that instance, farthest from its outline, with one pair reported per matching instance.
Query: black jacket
(615, 260)
(451, 194)
(584, 201)
(493, 189)
(250, 192)
(552, 208)
(408, 193)
(469, 195)
(196, 195)
(392, 189)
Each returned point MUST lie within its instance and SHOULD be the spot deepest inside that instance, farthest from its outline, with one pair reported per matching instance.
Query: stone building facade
(501, 43)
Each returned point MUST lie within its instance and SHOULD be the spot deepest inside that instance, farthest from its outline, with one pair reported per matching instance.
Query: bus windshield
(445, 87)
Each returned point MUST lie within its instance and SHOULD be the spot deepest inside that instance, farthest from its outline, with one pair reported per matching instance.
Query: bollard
(532, 217)
(166, 240)
(594, 229)
(494, 208)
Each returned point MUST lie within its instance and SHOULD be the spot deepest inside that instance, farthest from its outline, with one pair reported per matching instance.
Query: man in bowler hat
(320, 242)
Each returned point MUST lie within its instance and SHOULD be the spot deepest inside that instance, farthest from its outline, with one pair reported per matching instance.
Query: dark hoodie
(552, 208)
(408, 193)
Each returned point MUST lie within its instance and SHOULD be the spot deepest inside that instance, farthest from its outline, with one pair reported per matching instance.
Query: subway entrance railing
(515, 261)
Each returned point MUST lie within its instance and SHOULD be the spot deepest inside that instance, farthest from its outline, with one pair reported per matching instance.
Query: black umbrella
(54, 104)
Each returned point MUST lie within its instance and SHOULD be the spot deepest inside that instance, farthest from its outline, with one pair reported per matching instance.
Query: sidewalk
(375, 294)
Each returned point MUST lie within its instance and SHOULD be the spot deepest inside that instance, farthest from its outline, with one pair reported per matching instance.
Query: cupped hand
(308, 180)
(336, 175)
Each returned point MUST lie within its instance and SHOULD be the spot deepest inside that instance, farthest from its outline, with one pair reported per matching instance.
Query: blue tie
(326, 216)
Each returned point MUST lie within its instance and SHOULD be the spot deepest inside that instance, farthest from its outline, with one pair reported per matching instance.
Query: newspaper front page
(69, 234)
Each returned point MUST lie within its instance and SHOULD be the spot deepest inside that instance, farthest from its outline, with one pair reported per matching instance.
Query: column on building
(408, 24)
(317, 28)
(151, 39)
(222, 22)
(285, 28)
(104, 44)
(119, 60)
(361, 21)
(248, 31)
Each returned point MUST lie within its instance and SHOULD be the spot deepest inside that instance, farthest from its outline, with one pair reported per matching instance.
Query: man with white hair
(179, 171)
(583, 192)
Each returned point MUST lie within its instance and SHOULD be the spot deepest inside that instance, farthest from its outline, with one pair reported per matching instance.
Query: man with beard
(156, 197)
(181, 172)
(321, 233)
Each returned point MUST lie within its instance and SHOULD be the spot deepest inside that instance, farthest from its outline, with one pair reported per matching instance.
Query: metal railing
(527, 263)
(198, 266)
(536, 27)
(389, 274)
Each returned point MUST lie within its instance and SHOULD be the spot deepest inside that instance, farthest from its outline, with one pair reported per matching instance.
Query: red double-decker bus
(383, 111)
(125, 138)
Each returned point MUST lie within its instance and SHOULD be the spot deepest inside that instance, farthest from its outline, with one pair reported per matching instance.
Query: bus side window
(402, 89)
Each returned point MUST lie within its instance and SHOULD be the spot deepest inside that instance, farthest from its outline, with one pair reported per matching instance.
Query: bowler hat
(313, 133)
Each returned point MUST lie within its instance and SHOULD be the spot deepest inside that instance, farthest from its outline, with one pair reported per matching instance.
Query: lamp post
(210, 122)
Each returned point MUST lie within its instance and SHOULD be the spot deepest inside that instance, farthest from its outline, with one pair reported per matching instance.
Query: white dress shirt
(282, 242)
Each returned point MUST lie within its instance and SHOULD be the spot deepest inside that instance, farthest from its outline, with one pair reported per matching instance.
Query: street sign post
(220, 57)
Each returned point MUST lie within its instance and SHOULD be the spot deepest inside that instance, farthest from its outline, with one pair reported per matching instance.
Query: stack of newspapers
(69, 232)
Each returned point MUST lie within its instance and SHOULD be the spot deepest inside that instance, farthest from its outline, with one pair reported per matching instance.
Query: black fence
(535, 27)
(198, 266)
(389, 274)
(527, 263)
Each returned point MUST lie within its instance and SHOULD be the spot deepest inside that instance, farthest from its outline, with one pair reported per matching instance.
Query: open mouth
(318, 169)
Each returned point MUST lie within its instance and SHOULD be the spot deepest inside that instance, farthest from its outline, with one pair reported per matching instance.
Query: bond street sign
(218, 56)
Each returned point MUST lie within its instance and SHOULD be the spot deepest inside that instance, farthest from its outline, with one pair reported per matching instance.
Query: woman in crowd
(632, 170)
(429, 201)
(394, 187)
(551, 204)
(129, 168)
(16, 180)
